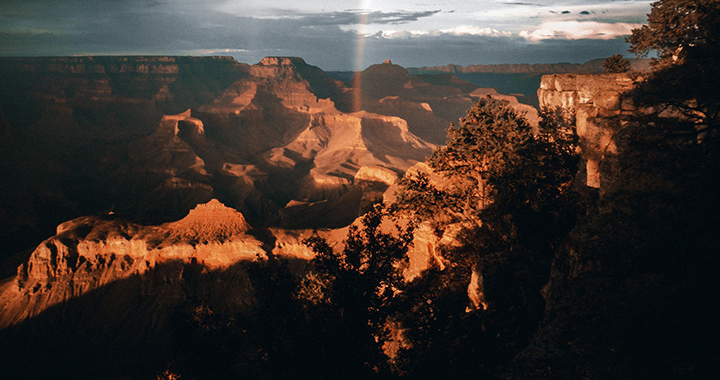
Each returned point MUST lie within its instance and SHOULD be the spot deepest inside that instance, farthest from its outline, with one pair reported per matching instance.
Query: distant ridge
(594, 66)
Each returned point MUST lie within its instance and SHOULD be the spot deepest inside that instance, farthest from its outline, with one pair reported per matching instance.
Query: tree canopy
(686, 36)
(486, 141)
(676, 29)
(494, 162)
(616, 64)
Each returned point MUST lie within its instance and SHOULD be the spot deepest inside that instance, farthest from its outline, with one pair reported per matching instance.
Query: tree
(676, 29)
(486, 141)
(361, 285)
(686, 36)
(493, 164)
(509, 184)
(616, 64)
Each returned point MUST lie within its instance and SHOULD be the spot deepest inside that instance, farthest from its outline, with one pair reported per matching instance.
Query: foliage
(493, 164)
(486, 141)
(677, 28)
(510, 184)
(362, 283)
(686, 35)
(447, 340)
(616, 64)
(544, 167)
(258, 344)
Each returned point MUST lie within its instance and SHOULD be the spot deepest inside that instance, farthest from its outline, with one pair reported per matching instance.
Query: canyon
(152, 190)
(148, 138)
(164, 180)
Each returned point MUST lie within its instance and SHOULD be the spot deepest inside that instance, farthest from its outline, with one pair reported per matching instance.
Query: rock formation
(157, 145)
(428, 108)
(91, 252)
(625, 283)
(520, 80)
(597, 102)
(63, 115)
(276, 140)
(151, 137)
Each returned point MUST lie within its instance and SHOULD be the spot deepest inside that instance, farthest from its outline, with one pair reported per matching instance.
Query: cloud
(215, 51)
(462, 30)
(328, 39)
(574, 30)
(353, 17)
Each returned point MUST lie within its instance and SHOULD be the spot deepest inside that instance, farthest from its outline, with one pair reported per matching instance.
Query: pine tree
(616, 64)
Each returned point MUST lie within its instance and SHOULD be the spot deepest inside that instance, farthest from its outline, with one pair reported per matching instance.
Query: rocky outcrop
(597, 102)
(211, 221)
(625, 284)
(63, 116)
(91, 252)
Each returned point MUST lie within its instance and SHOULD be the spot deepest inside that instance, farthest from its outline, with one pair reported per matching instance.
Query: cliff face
(89, 253)
(54, 96)
(61, 115)
(637, 266)
(623, 300)
(597, 102)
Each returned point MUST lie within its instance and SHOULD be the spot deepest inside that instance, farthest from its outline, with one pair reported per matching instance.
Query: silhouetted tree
(616, 64)
(487, 141)
(510, 185)
(677, 29)
(494, 163)
(352, 293)
(686, 36)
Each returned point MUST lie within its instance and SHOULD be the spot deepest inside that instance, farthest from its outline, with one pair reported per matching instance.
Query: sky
(331, 34)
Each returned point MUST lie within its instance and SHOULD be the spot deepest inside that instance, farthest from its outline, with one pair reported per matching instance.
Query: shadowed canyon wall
(629, 286)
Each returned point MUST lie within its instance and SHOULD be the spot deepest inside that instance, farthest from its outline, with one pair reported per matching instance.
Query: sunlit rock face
(91, 252)
(642, 245)
(597, 101)
(211, 221)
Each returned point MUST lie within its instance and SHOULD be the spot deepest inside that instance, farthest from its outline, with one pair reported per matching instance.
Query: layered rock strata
(88, 253)
(597, 101)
